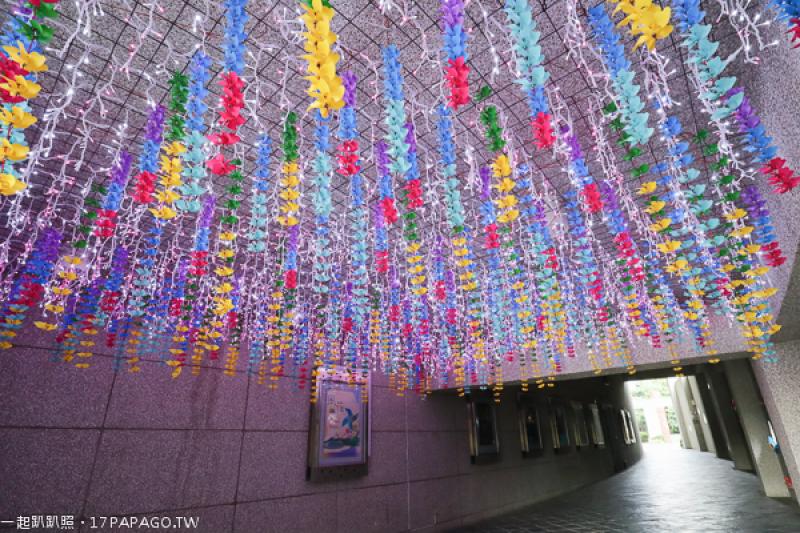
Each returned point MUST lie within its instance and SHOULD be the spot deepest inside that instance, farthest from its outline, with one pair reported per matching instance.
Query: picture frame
(338, 437)
(626, 428)
(559, 428)
(595, 425)
(482, 427)
(581, 431)
(631, 428)
(530, 430)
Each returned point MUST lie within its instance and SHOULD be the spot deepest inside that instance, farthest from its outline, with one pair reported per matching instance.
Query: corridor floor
(670, 490)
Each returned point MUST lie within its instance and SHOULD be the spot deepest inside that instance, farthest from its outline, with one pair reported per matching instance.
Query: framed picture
(559, 428)
(631, 429)
(482, 426)
(580, 429)
(339, 430)
(595, 425)
(626, 432)
(530, 430)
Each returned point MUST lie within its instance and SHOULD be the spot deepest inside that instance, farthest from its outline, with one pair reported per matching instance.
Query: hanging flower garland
(694, 310)
(106, 220)
(402, 149)
(325, 86)
(195, 169)
(589, 272)
(721, 100)
(187, 330)
(530, 68)
(258, 199)
(227, 139)
(759, 144)
(386, 206)
(283, 300)
(19, 65)
(461, 248)
(28, 288)
(789, 12)
(322, 269)
(258, 238)
(145, 180)
(518, 292)
(350, 167)
(100, 300)
(626, 92)
(495, 272)
(455, 49)
(752, 290)
(613, 54)
(556, 335)
(100, 214)
(646, 20)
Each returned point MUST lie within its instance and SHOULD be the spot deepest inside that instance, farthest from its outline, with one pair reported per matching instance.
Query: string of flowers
(350, 167)
(283, 299)
(721, 102)
(386, 206)
(613, 54)
(402, 150)
(625, 91)
(461, 241)
(187, 331)
(545, 274)
(321, 271)
(495, 272)
(759, 144)
(532, 75)
(455, 49)
(69, 273)
(106, 220)
(588, 274)
(645, 19)
(752, 290)
(195, 169)
(325, 86)
(28, 288)
(789, 12)
(258, 238)
(20, 63)
(518, 292)
(226, 139)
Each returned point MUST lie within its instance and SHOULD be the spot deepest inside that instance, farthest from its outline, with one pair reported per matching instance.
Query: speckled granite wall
(779, 387)
(752, 416)
(234, 453)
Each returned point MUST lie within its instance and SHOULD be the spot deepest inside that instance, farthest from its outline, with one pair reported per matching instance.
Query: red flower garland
(457, 81)
(543, 130)
(781, 176)
(145, 187)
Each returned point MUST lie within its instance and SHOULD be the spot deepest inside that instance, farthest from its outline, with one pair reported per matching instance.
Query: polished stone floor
(671, 490)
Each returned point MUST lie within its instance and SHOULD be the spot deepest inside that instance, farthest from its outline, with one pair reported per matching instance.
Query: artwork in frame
(339, 435)
(559, 428)
(482, 426)
(530, 430)
(631, 428)
(626, 434)
(595, 426)
(581, 431)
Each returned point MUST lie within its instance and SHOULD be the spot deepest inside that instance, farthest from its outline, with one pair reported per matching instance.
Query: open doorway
(654, 412)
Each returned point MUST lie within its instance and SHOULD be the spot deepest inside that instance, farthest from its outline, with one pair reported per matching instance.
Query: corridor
(670, 490)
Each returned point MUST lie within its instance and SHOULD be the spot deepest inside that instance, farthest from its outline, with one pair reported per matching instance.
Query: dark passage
(670, 490)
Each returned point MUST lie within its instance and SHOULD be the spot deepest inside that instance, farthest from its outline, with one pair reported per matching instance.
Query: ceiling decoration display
(415, 224)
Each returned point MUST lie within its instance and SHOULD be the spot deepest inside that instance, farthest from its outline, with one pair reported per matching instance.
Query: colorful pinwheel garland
(372, 228)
